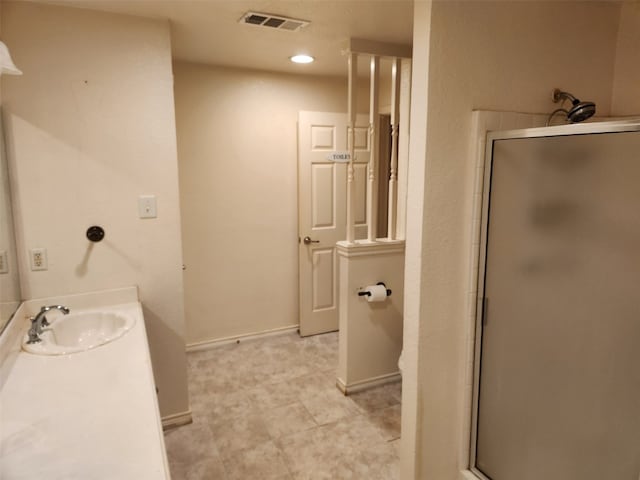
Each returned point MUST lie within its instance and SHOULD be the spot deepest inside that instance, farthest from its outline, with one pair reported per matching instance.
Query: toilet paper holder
(365, 293)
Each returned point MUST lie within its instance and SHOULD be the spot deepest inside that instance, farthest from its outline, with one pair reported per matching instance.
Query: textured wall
(370, 333)
(481, 55)
(626, 97)
(237, 144)
(90, 126)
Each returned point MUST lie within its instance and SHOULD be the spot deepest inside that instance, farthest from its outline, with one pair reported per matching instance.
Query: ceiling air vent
(268, 20)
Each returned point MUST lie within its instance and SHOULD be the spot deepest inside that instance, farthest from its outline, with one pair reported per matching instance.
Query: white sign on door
(339, 157)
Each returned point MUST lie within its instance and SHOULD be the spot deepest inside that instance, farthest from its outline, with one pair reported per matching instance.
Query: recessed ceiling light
(302, 59)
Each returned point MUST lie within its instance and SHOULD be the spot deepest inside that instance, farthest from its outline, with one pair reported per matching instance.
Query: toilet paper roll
(378, 293)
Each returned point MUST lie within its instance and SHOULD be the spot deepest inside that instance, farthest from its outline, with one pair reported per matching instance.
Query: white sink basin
(78, 332)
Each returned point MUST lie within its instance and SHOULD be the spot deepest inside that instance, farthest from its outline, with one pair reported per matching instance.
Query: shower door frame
(555, 131)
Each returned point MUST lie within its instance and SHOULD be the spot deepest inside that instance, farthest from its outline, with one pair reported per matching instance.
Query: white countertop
(88, 415)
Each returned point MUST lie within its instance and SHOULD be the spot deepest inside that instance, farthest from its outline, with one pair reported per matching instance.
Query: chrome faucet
(40, 321)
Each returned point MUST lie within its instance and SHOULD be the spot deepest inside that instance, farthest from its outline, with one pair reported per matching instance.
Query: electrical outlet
(4, 263)
(38, 258)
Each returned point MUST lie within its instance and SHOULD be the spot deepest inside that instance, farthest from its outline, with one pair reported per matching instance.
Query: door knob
(307, 240)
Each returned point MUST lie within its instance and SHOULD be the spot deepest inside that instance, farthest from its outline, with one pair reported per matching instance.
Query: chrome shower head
(578, 112)
(581, 112)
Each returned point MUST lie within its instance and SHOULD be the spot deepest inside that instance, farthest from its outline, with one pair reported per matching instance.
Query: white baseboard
(365, 384)
(176, 420)
(218, 342)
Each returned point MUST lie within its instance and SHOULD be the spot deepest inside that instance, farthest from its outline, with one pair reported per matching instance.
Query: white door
(322, 195)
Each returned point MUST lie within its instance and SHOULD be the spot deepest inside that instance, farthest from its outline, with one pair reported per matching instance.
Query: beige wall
(626, 96)
(482, 55)
(370, 333)
(1, 38)
(412, 396)
(237, 144)
(90, 126)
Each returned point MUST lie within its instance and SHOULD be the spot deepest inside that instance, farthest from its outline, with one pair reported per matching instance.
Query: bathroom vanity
(85, 415)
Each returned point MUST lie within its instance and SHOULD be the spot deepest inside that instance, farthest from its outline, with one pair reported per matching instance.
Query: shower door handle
(307, 240)
(485, 310)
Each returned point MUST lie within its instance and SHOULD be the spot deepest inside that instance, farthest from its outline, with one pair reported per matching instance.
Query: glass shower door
(559, 374)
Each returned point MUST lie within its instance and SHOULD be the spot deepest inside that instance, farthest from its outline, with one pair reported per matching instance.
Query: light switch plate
(147, 206)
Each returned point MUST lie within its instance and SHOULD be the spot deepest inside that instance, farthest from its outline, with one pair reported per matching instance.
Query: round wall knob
(95, 233)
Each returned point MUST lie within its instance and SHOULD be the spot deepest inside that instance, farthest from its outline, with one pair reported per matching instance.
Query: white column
(372, 188)
(393, 175)
(403, 149)
(352, 111)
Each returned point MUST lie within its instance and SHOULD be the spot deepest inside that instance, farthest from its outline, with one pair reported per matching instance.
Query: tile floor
(269, 409)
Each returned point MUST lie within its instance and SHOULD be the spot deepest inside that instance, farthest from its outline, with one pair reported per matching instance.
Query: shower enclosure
(557, 392)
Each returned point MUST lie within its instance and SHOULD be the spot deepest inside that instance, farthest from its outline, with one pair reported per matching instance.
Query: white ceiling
(207, 31)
